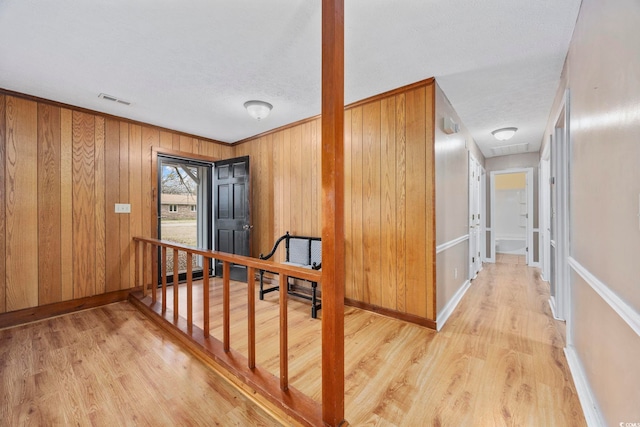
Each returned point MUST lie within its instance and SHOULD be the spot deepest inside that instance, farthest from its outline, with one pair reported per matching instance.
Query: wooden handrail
(146, 254)
(258, 264)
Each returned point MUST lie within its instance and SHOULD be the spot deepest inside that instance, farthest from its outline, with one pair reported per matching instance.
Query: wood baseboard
(34, 314)
(411, 318)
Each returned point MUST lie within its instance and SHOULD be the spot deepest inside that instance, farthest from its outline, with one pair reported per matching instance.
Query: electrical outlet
(455, 273)
(123, 208)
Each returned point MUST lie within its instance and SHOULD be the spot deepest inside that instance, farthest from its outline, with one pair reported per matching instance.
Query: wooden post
(175, 285)
(284, 333)
(333, 268)
(164, 279)
(154, 273)
(251, 324)
(226, 272)
(205, 297)
(189, 291)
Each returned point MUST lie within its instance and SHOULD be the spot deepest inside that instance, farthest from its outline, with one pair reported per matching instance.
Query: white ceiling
(190, 65)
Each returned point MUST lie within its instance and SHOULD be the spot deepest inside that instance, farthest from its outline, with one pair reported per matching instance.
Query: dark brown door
(231, 217)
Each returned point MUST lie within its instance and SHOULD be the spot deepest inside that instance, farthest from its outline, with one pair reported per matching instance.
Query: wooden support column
(333, 268)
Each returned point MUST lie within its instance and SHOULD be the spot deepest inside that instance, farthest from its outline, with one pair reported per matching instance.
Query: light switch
(123, 208)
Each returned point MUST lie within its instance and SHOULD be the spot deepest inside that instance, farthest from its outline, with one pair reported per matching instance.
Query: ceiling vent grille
(505, 150)
(114, 99)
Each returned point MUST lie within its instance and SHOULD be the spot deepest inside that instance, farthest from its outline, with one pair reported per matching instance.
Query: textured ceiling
(190, 65)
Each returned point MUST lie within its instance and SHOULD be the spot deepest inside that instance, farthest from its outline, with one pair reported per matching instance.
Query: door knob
(247, 227)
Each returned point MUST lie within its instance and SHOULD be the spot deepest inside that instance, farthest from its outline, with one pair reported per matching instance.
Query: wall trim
(394, 314)
(585, 394)
(34, 314)
(451, 243)
(624, 310)
(451, 305)
(552, 305)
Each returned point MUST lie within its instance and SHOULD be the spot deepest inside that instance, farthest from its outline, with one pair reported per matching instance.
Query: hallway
(498, 361)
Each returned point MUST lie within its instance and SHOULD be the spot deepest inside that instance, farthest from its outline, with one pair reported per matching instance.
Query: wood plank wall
(389, 196)
(61, 172)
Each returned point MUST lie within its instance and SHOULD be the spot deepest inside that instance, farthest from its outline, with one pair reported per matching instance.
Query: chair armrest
(275, 246)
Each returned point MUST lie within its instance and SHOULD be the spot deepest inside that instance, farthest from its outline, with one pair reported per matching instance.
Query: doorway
(184, 209)
(203, 204)
(511, 218)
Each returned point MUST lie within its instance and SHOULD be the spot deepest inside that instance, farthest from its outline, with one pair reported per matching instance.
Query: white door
(475, 260)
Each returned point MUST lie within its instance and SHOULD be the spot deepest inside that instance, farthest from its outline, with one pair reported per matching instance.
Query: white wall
(452, 204)
(602, 73)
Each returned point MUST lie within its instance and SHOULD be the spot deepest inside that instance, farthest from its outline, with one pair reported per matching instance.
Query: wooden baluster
(189, 290)
(225, 304)
(284, 346)
(164, 279)
(205, 296)
(154, 273)
(145, 265)
(251, 302)
(136, 247)
(175, 285)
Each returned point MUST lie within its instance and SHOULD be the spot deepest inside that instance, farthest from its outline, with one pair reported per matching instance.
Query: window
(173, 208)
(193, 208)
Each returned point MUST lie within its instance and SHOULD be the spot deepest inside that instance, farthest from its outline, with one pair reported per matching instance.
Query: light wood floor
(498, 361)
(111, 366)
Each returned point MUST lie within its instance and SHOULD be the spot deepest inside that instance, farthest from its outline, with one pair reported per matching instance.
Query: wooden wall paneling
(112, 196)
(306, 181)
(176, 142)
(401, 203)
(430, 163)
(3, 306)
(150, 139)
(348, 231)
(416, 245)
(268, 154)
(126, 249)
(21, 203)
(316, 187)
(84, 205)
(49, 238)
(186, 144)
(371, 202)
(356, 204)
(296, 180)
(166, 140)
(66, 202)
(286, 184)
(135, 188)
(100, 200)
(388, 256)
(277, 189)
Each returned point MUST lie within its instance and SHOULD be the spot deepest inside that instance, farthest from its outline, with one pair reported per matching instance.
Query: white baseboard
(552, 305)
(588, 402)
(443, 316)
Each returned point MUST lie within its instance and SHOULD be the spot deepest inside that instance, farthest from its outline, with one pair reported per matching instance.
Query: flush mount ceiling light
(504, 133)
(258, 109)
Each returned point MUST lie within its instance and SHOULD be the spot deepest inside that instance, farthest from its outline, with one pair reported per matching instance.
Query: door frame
(155, 183)
(529, 229)
(474, 217)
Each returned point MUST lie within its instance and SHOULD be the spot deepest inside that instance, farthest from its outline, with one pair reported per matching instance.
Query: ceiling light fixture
(258, 109)
(504, 133)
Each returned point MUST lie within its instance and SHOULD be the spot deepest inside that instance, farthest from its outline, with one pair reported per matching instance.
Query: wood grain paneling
(84, 205)
(100, 200)
(49, 238)
(112, 196)
(371, 243)
(62, 171)
(2, 205)
(416, 244)
(389, 193)
(66, 202)
(21, 202)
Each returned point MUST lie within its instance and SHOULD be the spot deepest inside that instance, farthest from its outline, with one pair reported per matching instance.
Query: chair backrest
(316, 252)
(298, 251)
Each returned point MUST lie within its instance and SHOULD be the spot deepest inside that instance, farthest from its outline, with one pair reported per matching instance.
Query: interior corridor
(498, 361)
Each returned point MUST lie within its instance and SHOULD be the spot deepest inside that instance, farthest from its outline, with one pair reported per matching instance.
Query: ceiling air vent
(510, 149)
(114, 99)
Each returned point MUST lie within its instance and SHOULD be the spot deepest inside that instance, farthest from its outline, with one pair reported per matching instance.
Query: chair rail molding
(451, 243)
